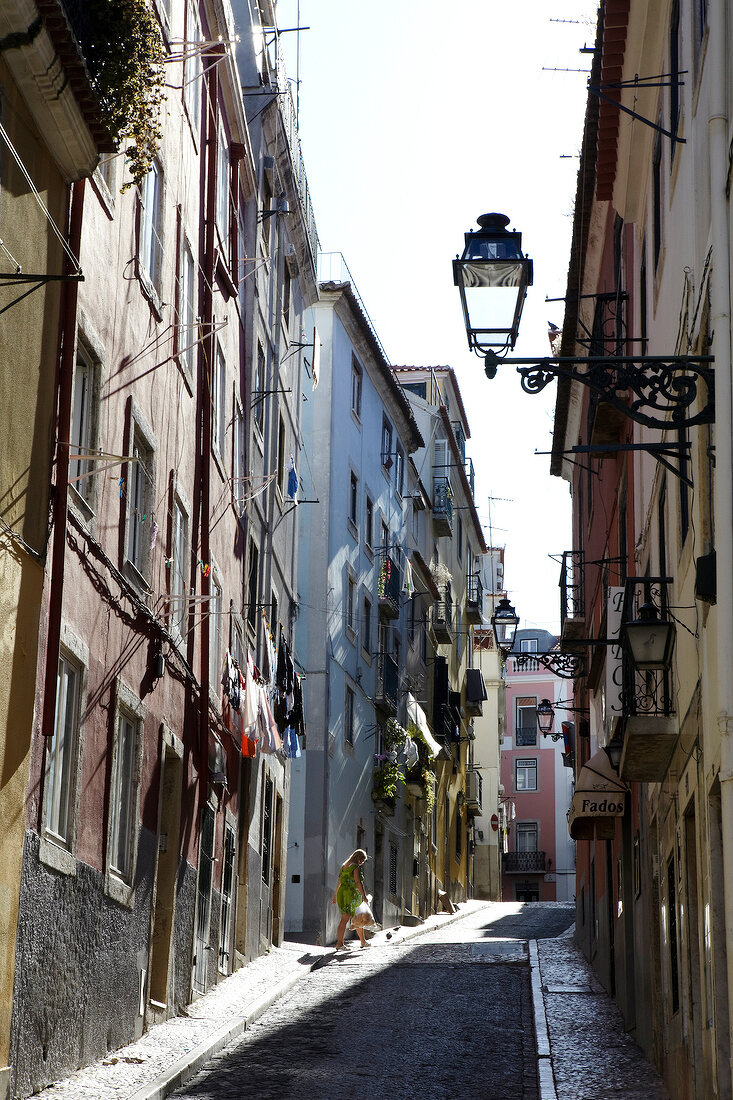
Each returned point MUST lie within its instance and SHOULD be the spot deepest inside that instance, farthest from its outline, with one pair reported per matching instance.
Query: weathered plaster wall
(77, 974)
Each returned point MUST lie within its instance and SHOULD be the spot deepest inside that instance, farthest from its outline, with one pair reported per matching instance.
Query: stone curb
(545, 1075)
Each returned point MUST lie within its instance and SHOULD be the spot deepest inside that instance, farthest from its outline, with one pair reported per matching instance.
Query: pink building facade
(538, 861)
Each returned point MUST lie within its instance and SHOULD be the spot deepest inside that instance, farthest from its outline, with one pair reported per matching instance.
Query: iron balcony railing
(443, 503)
(389, 583)
(387, 695)
(572, 600)
(524, 862)
(525, 662)
(474, 599)
(443, 616)
(526, 735)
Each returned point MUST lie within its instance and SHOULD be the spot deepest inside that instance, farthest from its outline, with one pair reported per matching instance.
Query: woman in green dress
(349, 894)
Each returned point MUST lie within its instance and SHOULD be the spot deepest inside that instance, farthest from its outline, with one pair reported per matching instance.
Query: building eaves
(462, 476)
(581, 227)
(416, 440)
(450, 373)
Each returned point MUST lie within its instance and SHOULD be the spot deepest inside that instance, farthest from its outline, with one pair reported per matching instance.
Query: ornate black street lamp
(505, 622)
(649, 639)
(492, 277)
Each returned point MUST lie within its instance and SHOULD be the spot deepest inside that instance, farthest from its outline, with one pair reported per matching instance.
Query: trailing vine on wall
(124, 51)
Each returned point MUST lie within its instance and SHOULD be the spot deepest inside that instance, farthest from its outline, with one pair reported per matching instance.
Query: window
(351, 604)
(526, 720)
(369, 523)
(353, 498)
(386, 443)
(525, 775)
(528, 645)
(178, 554)
(218, 402)
(83, 433)
(240, 270)
(526, 834)
(356, 379)
(149, 253)
(460, 539)
(259, 400)
(266, 829)
(281, 456)
(222, 189)
(459, 634)
(139, 502)
(187, 333)
(399, 469)
(238, 472)
(366, 626)
(215, 624)
(252, 583)
(61, 752)
(193, 67)
(349, 717)
(673, 957)
(122, 795)
(227, 878)
(393, 854)
(411, 616)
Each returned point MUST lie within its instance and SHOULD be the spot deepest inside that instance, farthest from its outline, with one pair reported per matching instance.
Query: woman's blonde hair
(355, 859)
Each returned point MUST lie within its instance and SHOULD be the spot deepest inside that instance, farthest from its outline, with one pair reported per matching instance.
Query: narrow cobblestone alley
(445, 1015)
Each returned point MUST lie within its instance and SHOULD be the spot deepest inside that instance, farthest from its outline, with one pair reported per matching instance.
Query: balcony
(522, 863)
(474, 792)
(572, 601)
(443, 618)
(475, 692)
(525, 662)
(525, 735)
(442, 506)
(649, 744)
(387, 692)
(474, 601)
(388, 588)
(52, 68)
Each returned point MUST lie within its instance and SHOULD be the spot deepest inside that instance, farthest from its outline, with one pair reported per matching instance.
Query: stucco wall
(77, 972)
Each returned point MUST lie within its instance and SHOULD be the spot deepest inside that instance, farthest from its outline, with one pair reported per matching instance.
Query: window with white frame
(150, 250)
(139, 502)
(525, 773)
(281, 478)
(366, 626)
(351, 604)
(178, 554)
(526, 720)
(369, 524)
(386, 443)
(353, 498)
(61, 753)
(187, 332)
(526, 836)
(528, 645)
(356, 381)
(83, 426)
(193, 67)
(123, 790)
(219, 401)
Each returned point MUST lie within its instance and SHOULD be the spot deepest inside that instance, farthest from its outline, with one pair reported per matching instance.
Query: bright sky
(415, 118)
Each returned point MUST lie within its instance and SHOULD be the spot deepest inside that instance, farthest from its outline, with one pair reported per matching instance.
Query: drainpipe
(65, 383)
(721, 328)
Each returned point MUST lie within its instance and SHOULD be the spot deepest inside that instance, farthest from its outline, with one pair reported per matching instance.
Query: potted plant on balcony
(388, 775)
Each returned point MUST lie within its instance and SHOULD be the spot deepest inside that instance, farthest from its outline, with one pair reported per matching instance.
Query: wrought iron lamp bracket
(663, 389)
(568, 666)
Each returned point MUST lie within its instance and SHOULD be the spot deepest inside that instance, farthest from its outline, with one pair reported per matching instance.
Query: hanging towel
(408, 587)
(251, 700)
(411, 754)
(292, 480)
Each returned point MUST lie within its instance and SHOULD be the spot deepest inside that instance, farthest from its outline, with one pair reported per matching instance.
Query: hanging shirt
(292, 480)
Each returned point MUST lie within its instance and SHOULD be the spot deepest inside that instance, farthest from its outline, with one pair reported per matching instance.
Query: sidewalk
(583, 1048)
(167, 1055)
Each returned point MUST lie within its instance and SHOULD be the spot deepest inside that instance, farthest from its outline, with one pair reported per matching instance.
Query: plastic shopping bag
(363, 917)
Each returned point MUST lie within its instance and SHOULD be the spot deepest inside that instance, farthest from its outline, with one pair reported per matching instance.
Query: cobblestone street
(445, 1015)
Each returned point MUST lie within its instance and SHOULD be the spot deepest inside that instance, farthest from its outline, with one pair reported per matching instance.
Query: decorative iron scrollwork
(568, 666)
(656, 391)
